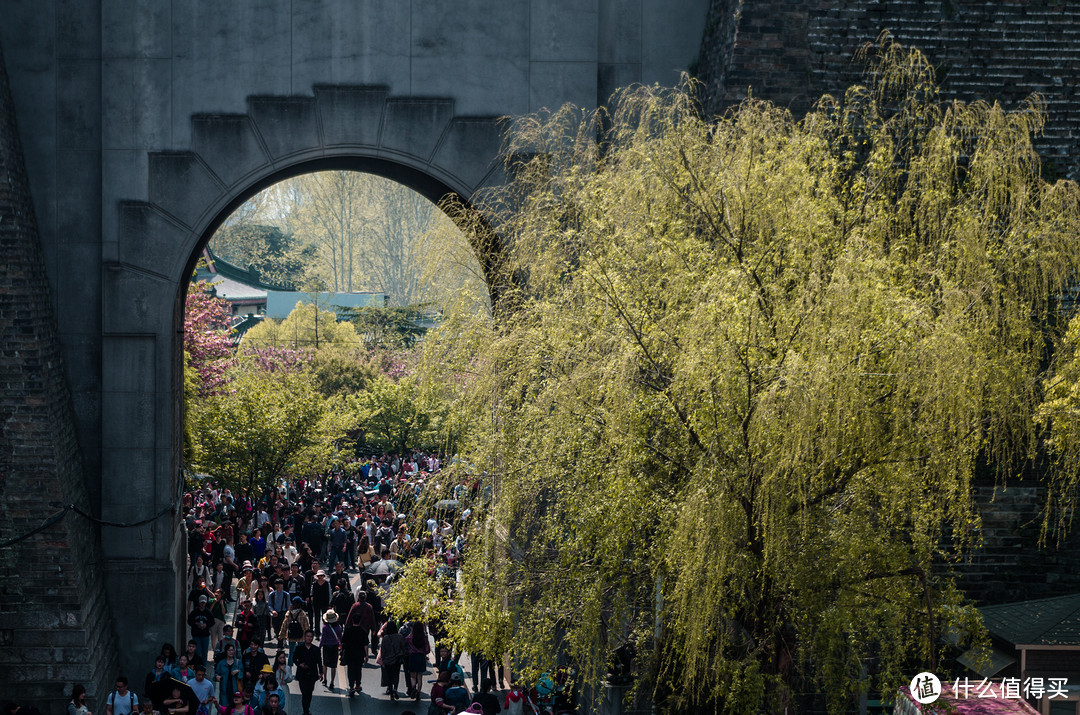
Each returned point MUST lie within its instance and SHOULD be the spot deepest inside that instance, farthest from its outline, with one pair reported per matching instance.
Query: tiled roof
(1045, 621)
(229, 289)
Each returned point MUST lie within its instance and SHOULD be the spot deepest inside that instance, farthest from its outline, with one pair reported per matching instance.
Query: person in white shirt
(122, 701)
(201, 685)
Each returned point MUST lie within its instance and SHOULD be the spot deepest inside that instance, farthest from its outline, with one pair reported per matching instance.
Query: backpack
(296, 631)
(456, 695)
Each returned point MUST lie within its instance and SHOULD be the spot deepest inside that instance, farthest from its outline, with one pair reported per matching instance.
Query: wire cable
(65, 508)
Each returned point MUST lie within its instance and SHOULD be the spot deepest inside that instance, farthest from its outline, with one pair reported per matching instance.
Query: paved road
(372, 701)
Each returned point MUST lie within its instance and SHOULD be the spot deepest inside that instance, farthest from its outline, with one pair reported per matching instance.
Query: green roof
(1045, 621)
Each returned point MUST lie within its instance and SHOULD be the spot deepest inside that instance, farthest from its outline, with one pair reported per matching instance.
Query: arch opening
(366, 265)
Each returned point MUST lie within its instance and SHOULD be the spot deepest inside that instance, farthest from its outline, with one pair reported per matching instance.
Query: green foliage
(418, 593)
(752, 367)
(307, 327)
(278, 257)
(267, 426)
(395, 416)
(341, 372)
(392, 327)
(1059, 416)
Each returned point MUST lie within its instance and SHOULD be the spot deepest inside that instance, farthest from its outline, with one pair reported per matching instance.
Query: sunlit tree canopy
(753, 367)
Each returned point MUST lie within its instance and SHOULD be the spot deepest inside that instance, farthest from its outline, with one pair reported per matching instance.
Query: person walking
(262, 616)
(227, 673)
(201, 621)
(122, 701)
(77, 704)
(320, 597)
(293, 626)
(392, 652)
(354, 640)
(279, 600)
(254, 660)
(308, 662)
(416, 664)
(330, 640)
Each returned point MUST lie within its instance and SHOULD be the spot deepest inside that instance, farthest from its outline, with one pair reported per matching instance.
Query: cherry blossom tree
(207, 348)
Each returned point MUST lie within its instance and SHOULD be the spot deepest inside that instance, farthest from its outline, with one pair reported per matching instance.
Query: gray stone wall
(1011, 565)
(55, 628)
(791, 52)
(143, 121)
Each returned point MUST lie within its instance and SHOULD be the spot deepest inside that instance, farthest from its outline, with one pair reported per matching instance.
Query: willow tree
(751, 371)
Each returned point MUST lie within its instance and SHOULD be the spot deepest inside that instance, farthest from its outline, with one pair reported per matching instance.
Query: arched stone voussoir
(414, 125)
(228, 144)
(136, 301)
(470, 149)
(351, 115)
(287, 125)
(182, 185)
(150, 240)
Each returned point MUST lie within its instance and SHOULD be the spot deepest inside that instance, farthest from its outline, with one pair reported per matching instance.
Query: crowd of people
(288, 587)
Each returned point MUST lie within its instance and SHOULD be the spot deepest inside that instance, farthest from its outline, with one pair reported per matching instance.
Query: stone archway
(417, 141)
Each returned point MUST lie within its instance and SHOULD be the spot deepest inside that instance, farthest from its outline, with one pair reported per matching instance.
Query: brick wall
(792, 51)
(55, 628)
(1011, 566)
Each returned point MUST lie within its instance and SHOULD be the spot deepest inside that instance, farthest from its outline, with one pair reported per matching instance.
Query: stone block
(133, 542)
(553, 84)
(136, 303)
(78, 197)
(128, 363)
(478, 48)
(128, 420)
(136, 28)
(228, 145)
(78, 104)
(673, 38)
(124, 178)
(564, 30)
(151, 241)
(619, 31)
(355, 42)
(117, 104)
(287, 125)
(470, 149)
(73, 670)
(497, 177)
(414, 126)
(151, 81)
(350, 115)
(78, 30)
(78, 284)
(613, 77)
(152, 621)
(182, 186)
(223, 53)
(82, 357)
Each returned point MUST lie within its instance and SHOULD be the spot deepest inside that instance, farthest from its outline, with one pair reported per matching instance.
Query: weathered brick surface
(791, 52)
(55, 629)
(1011, 565)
